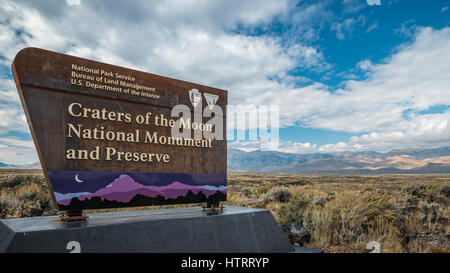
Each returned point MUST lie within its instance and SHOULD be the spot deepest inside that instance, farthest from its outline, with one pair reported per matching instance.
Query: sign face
(105, 134)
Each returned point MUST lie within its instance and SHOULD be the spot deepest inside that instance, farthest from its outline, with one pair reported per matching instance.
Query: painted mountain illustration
(125, 188)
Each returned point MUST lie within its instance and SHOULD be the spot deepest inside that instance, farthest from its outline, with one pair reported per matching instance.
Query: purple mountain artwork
(86, 190)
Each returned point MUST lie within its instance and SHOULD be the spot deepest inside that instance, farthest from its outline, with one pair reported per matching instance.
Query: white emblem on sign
(195, 97)
(211, 99)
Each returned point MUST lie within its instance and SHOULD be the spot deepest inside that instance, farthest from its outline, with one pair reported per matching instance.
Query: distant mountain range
(404, 161)
(400, 161)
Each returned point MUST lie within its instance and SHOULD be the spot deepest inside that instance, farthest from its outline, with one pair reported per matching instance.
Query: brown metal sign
(109, 136)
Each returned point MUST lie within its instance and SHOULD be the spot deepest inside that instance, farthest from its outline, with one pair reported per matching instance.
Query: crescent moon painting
(77, 179)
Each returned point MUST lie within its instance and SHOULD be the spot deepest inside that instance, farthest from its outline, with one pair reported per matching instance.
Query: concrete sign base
(177, 230)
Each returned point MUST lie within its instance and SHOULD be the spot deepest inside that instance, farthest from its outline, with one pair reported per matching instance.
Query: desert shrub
(264, 188)
(46, 204)
(412, 223)
(445, 190)
(29, 192)
(417, 190)
(292, 210)
(300, 182)
(278, 194)
(9, 207)
(412, 201)
(31, 208)
(430, 214)
(12, 182)
(320, 201)
(331, 196)
(247, 191)
(25, 196)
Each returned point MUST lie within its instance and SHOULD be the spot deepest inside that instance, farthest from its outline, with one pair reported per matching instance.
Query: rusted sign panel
(105, 134)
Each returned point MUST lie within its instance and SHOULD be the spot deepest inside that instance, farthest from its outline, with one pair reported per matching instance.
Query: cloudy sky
(346, 75)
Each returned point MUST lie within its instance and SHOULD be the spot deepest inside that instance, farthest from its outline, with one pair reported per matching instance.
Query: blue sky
(346, 75)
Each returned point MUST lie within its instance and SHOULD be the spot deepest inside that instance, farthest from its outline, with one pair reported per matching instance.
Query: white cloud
(14, 119)
(283, 146)
(426, 131)
(17, 142)
(352, 6)
(407, 29)
(365, 65)
(372, 27)
(21, 27)
(415, 79)
(16, 151)
(73, 2)
(346, 27)
(183, 39)
(305, 20)
(8, 91)
(11, 112)
(186, 40)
